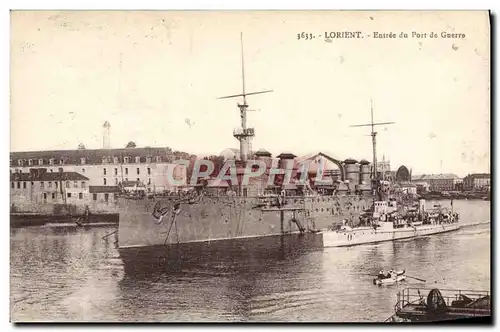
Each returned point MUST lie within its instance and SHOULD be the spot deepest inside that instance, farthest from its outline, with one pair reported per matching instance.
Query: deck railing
(416, 295)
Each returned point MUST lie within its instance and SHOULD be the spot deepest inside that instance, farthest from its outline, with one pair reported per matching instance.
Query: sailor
(381, 274)
(389, 275)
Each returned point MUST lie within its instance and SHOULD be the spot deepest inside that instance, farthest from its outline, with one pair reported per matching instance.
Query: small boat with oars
(392, 277)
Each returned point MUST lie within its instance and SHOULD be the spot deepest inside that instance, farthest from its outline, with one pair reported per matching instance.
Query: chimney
(106, 135)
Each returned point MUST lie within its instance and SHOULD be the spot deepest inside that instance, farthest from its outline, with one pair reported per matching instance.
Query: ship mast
(374, 143)
(244, 134)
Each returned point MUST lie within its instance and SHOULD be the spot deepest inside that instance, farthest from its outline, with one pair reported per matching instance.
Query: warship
(254, 217)
(390, 218)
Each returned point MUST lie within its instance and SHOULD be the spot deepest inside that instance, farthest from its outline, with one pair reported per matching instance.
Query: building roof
(95, 156)
(103, 189)
(444, 176)
(44, 176)
(479, 176)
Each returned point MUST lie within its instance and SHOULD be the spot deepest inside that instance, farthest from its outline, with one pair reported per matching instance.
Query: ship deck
(413, 305)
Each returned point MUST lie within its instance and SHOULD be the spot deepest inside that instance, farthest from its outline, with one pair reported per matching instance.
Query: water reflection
(74, 274)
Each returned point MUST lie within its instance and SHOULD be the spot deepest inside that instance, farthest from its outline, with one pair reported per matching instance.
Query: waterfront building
(421, 186)
(38, 189)
(439, 182)
(477, 182)
(107, 168)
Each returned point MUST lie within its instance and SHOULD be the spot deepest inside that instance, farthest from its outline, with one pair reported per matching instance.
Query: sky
(156, 76)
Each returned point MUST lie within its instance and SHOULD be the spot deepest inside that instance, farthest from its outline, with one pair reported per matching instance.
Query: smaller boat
(390, 278)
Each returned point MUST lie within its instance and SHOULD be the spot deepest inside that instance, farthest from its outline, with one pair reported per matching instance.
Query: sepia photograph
(250, 166)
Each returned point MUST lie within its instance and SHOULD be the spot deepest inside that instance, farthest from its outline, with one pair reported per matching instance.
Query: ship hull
(161, 222)
(369, 235)
(158, 232)
(144, 259)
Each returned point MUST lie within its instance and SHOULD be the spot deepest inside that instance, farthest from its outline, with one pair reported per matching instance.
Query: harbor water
(73, 274)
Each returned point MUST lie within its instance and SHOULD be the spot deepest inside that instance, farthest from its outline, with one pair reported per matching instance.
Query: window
(82, 160)
(12, 185)
(116, 171)
(32, 183)
(51, 161)
(126, 179)
(83, 184)
(69, 195)
(40, 162)
(115, 160)
(106, 197)
(126, 171)
(149, 171)
(137, 160)
(45, 197)
(138, 171)
(50, 184)
(20, 162)
(104, 181)
(75, 184)
(55, 184)
(19, 185)
(30, 162)
(53, 196)
(94, 197)
(138, 179)
(83, 170)
(149, 159)
(125, 159)
(80, 195)
(104, 171)
(104, 160)
(116, 181)
(149, 181)
(61, 170)
(24, 185)
(61, 162)
(67, 184)
(159, 159)
(42, 184)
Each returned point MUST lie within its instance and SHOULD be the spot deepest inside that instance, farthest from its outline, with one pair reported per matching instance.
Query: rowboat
(395, 278)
